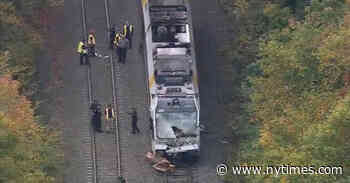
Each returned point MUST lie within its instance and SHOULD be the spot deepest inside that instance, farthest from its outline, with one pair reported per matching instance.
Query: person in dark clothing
(95, 106)
(92, 44)
(96, 117)
(84, 55)
(123, 46)
(112, 33)
(134, 127)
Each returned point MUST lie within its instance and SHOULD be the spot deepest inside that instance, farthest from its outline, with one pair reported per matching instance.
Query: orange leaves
(17, 109)
(266, 139)
(8, 15)
(334, 50)
(34, 147)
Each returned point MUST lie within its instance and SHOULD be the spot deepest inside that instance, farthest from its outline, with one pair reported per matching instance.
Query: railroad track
(103, 156)
(87, 131)
(184, 173)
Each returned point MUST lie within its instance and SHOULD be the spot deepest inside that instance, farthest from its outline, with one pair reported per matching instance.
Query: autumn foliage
(297, 91)
(29, 151)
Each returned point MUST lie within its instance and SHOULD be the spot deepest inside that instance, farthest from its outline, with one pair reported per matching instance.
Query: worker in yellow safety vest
(109, 114)
(83, 52)
(128, 32)
(91, 43)
(117, 38)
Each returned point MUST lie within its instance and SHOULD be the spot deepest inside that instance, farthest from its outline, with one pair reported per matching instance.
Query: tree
(299, 101)
(29, 151)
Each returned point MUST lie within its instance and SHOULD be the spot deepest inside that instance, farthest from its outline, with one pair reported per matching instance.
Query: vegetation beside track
(28, 151)
(294, 80)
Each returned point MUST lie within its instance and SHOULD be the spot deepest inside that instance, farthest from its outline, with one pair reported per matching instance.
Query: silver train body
(172, 76)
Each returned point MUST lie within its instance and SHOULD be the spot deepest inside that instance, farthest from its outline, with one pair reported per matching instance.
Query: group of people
(88, 50)
(97, 114)
(121, 41)
(109, 117)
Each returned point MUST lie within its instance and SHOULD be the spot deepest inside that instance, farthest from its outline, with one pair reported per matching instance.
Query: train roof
(168, 11)
(172, 61)
(167, 2)
(170, 49)
(173, 66)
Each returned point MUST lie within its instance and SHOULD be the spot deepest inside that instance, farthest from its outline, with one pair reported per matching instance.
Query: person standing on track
(112, 34)
(109, 114)
(116, 40)
(123, 46)
(128, 32)
(95, 105)
(96, 117)
(92, 43)
(83, 52)
(97, 120)
(134, 127)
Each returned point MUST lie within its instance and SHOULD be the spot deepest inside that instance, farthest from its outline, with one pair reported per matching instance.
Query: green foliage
(323, 13)
(20, 162)
(275, 16)
(296, 89)
(28, 8)
(21, 45)
(28, 152)
(294, 97)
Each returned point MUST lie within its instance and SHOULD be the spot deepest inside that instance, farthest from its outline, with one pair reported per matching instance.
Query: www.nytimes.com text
(223, 169)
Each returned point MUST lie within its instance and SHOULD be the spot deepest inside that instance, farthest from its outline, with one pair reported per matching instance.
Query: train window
(181, 29)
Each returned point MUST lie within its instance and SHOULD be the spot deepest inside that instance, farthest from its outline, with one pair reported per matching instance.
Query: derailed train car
(172, 76)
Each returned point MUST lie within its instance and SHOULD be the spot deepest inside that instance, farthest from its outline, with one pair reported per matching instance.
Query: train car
(172, 76)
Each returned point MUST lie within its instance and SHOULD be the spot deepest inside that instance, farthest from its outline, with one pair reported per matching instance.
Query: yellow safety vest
(126, 29)
(91, 39)
(117, 38)
(107, 113)
(80, 48)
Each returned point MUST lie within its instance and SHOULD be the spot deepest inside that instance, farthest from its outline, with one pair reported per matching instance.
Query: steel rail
(116, 132)
(90, 95)
(182, 174)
